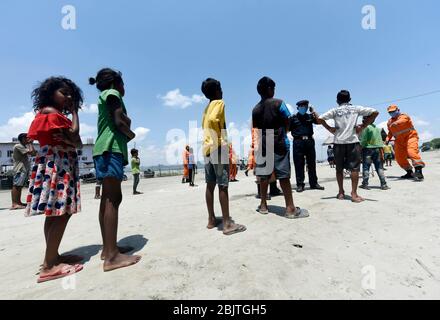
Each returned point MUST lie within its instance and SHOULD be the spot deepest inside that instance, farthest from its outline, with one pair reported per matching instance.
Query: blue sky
(311, 48)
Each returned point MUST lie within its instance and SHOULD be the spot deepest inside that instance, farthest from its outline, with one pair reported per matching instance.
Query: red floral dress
(54, 186)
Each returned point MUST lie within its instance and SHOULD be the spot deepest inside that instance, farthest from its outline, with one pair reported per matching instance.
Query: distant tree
(435, 144)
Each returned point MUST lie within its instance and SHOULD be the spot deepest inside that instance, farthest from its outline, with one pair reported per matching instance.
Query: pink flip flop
(64, 272)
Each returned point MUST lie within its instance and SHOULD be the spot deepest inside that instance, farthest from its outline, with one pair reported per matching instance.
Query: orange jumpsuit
(406, 144)
(251, 159)
(185, 164)
(232, 164)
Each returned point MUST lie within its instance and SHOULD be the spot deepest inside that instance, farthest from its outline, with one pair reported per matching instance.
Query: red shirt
(44, 125)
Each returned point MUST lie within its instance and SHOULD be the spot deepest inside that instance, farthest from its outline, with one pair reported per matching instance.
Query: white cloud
(16, 125)
(141, 134)
(426, 136)
(418, 122)
(87, 130)
(90, 109)
(176, 99)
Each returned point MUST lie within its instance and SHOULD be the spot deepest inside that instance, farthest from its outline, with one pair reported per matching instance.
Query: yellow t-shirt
(214, 127)
(388, 149)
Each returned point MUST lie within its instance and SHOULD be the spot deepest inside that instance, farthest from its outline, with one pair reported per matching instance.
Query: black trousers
(191, 176)
(304, 152)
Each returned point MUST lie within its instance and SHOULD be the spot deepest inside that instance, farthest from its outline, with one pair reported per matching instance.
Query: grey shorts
(348, 157)
(217, 169)
(20, 179)
(281, 167)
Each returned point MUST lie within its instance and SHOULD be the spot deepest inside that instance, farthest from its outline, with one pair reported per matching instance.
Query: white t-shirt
(346, 117)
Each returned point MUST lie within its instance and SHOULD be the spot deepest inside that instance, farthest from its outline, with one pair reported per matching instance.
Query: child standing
(54, 188)
(388, 155)
(110, 155)
(216, 152)
(135, 170)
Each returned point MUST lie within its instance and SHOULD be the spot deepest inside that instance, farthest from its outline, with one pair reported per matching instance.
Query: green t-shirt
(135, 165)
(109, 138)
(371, 137)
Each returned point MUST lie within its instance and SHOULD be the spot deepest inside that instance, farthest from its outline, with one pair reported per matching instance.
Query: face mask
(394, 114)
(303, 110)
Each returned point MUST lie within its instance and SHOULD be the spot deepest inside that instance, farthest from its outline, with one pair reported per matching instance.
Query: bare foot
(213, 223)
(122, 250)
(97, 197)
(341, 196)
(356, 198)
(17, 207)
(120, 261)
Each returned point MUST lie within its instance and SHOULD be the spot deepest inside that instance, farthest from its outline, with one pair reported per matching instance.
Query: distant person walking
(135, 170)
(21, 169)
(331, 156)
(406, 145)
(348, 151)
(216, 152)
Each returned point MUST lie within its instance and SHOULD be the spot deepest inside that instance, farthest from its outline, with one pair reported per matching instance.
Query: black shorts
(348, 156)
(281, 167)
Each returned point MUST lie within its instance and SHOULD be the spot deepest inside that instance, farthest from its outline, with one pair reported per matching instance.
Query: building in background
(85, 155)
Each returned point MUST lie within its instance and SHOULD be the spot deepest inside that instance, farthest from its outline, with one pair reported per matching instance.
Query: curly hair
(42, 95)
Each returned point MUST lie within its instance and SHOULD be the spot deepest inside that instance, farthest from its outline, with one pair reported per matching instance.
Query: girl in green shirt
(110, 156)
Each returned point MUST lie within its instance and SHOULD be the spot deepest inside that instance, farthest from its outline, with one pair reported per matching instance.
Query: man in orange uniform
(232, 164)
(185, 156)
(406, 145)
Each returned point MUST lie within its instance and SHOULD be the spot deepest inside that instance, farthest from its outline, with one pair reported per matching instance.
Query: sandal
(238, 228)
(299, 213)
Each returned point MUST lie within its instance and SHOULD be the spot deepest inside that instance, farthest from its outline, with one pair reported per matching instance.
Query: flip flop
(265, 212)
(299, 213)
(238, 228)
(64, 272)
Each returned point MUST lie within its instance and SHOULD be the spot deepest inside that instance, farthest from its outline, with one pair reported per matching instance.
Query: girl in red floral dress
(54, 188)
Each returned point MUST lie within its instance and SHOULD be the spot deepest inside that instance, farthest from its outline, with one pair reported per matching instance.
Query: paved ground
(385, 248)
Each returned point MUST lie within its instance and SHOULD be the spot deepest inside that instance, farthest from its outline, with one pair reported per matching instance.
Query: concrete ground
(384, 248)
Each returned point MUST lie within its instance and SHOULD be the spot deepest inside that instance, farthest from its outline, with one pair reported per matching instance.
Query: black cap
(303, 103)
(344, 96)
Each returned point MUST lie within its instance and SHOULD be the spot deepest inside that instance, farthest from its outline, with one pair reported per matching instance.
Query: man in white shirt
(347, 149)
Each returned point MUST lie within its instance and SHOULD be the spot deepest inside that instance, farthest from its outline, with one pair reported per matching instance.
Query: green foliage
(435, 144)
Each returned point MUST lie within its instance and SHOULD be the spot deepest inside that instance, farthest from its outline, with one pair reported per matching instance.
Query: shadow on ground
(137, 242)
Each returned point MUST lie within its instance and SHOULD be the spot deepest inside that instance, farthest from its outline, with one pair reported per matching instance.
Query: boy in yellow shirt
(216, 153)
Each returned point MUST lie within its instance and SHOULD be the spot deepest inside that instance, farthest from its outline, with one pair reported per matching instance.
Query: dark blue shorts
(109, 165)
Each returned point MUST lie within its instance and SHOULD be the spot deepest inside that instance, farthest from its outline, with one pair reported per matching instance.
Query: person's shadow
(277, 210)
(137, 242)
(346, 197)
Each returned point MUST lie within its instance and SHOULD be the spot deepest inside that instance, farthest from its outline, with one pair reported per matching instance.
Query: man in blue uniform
(301, 127)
